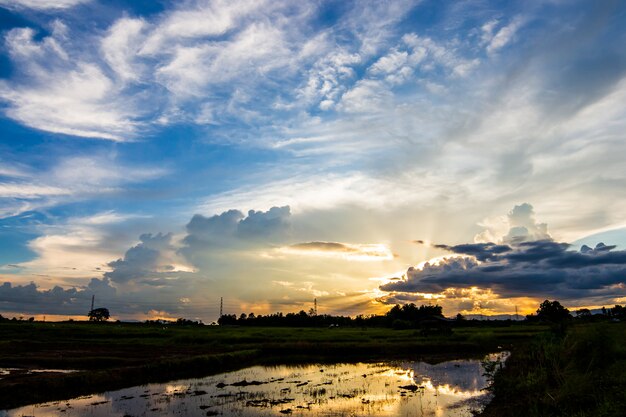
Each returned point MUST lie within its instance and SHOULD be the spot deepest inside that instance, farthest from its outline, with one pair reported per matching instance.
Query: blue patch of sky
(15, 233)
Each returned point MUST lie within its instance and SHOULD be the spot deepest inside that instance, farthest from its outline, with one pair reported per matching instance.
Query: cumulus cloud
(265, 224)
(231, 230)
(151, 262)
(518, 226)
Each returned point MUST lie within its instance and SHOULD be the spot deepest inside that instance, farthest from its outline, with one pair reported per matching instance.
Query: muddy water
(452, 388)
(4, 372)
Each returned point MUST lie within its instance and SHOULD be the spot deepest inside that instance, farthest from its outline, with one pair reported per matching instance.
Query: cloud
(29, 299)
(232, 230)
(151, 262)
(503, 36)
(352, 252)
(41, 4)
(201, 20)
(528, 263)
(71, 178)
(264, 224)
(78, 247)
(257, 49)
(480, 251)
(17, 190)
(537, 269)
(234, 224)
(518, 226)
(59, 93)
(121, 46)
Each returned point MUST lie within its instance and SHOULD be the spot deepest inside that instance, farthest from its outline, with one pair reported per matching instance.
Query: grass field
(116, 355)
(581, 373)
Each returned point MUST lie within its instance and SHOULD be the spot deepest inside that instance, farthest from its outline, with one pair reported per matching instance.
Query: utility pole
(315, 306)
(516, 315)
(221, 306)
(93, 298)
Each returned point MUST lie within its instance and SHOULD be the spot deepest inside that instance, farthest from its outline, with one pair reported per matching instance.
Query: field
(581, 373)
(117, 355)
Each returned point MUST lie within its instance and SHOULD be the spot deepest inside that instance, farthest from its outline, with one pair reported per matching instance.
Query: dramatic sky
(163, 154)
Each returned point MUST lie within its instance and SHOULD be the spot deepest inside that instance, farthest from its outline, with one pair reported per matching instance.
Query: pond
(394, 388)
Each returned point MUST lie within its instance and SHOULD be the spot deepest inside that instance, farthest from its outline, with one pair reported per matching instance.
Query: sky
(162, 155)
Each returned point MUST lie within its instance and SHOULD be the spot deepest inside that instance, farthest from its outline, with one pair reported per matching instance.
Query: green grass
(581, 373)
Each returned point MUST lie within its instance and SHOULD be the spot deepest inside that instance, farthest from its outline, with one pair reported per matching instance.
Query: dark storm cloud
(538, 269)
(481, 251)
(29, 299)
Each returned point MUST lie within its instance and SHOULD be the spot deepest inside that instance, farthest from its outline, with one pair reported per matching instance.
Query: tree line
(405, 316)
(399, 317)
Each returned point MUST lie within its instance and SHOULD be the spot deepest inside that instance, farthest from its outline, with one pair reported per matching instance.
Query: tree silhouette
(99, 314)
(552, 311)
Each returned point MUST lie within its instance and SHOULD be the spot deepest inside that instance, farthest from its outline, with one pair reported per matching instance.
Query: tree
(583, 313)
(552, 311)
(619, 312)
(99, 314)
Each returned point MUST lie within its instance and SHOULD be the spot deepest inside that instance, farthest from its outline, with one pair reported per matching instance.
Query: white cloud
(366, 96)
(326, 79)
(429, 53)
(390, 63)
(503, 36)
(99, 174)
(258, 49)
(518, 226)
(41, 4)
(121, 46)
(62, 96)
(206, 19)
(17, 190)
(74, 248)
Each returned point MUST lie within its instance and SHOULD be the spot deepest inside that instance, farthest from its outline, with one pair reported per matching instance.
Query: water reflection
(452, 388)
(4, 372)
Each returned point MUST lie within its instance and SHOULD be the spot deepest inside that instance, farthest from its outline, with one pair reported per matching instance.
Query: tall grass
(580, 373)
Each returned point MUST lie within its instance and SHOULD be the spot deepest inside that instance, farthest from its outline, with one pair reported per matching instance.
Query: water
(4, 372)
(452, 388)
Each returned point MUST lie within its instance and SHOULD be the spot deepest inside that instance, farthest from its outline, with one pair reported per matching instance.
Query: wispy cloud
(41, 4)
(348, 251)
(74, 178)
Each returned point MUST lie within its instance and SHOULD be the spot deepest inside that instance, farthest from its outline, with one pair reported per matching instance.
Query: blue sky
(351, 129)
